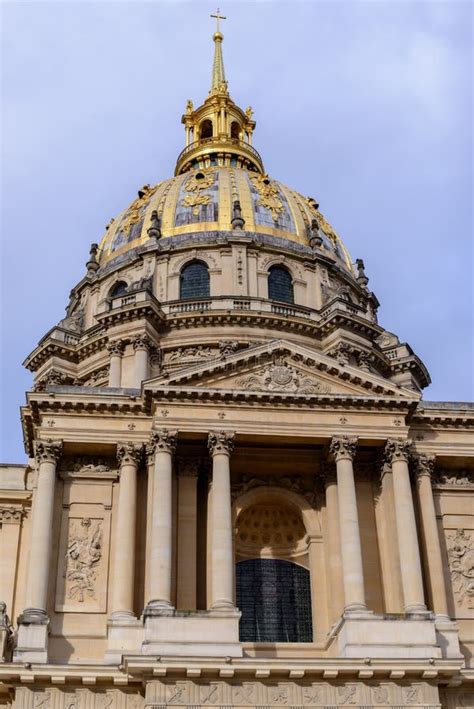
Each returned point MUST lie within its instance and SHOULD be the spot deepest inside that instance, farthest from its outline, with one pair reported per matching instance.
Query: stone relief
(281, 377)
(458, 478)
(189, 354)
(86, 464)
(294, 483)
(83, 555)
(98, 378)
(461, 562)
(291, 694)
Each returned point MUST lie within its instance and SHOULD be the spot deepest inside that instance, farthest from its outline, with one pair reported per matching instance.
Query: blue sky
(366, 106)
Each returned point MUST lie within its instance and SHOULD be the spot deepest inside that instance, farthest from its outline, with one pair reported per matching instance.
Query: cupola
(218, 133)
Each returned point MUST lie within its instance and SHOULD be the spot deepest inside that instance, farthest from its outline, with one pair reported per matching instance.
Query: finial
(92, 265)
(218, 82)
(315, 240)
(237, 221)
(154, 231)
(361, 277)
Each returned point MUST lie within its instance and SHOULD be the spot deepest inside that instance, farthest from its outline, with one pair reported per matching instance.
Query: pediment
(280, 367)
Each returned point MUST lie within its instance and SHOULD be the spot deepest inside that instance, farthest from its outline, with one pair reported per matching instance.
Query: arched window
(119, 288)
(194, 281)
(234, 130)
(274, 597)
(280, 285)
(205, 129)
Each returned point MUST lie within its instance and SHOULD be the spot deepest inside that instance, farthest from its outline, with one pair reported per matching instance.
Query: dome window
(120, 288)
(205, 129)
(194, 281)
(280, 284)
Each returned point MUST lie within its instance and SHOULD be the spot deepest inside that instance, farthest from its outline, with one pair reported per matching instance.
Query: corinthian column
(430, 533)
(115, 349)
(162, 446)
(344, 449)
(397, 452)
(141, 346)
(41, 538)
(221, 444)
(123, 580)
(333, 544)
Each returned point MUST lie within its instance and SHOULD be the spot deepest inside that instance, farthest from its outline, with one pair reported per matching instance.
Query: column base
(419, 610)
(32, 643)
(213, 633)
(122, 617)
(158, 608)
(225, 606)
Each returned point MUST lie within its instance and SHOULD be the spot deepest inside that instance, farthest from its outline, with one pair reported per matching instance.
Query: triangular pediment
(280, 367)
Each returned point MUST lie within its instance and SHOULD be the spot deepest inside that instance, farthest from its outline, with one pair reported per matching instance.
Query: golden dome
(202, 200)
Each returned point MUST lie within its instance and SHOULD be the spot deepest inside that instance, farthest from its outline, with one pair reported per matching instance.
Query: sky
(366, 106)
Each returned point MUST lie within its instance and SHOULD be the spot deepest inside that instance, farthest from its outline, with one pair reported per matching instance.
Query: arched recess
(206, 129)
(119, 288)
(282, 592)
(235, 130)
(194, 281)
(280, 284)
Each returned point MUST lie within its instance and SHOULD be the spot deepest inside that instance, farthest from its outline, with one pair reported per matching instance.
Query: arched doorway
(273, 586)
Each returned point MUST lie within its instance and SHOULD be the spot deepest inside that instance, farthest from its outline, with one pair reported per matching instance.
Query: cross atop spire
(218, 82)
(218, 17)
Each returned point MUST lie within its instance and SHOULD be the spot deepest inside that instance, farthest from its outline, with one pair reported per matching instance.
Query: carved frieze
(84, 465)
(280, 376)
(185, 355)
(460, 545)
(454, 478)
(290, 694)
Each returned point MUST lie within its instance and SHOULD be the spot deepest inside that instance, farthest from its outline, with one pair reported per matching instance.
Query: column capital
(162, 440)
(343, 448)
(129, 453)
(116, 347)
(424, 465)
(397, 449)
(221, 442)
(48, 451)
(142, 342)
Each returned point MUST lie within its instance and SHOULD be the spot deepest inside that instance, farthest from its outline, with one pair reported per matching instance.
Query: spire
(218, 73)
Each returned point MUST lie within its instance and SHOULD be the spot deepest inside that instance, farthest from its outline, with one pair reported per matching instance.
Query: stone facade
(171, 440)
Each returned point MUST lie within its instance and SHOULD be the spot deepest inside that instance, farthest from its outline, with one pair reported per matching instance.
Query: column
(396, 453)
(41, 534)
(187, 533)
(115, 349)
(333, 544)
(123, 581)
(162, 446)
(141, 346)
(221, 444)
(343, 449)
(430, 533)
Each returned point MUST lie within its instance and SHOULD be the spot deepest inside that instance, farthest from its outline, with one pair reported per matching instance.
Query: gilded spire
(218, 74)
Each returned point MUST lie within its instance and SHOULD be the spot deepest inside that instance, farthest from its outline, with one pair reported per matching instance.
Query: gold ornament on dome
(134, 213)
(196, 184)
(269, 195)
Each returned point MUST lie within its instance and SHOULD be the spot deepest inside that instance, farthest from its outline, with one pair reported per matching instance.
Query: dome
(202, 199)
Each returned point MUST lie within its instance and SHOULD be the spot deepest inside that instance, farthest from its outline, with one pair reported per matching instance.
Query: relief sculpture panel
(460, 546)
(83, 560)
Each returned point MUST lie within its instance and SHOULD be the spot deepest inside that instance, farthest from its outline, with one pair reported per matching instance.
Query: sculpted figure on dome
(189, 106)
